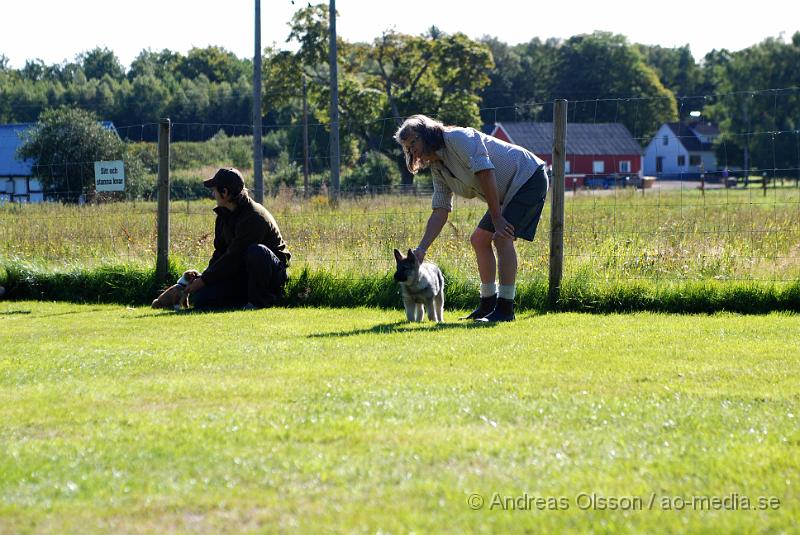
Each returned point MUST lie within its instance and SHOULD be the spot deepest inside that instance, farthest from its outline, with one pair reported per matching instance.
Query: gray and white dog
(422, 287)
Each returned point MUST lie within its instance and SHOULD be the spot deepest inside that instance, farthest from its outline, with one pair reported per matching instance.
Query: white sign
(109, 176)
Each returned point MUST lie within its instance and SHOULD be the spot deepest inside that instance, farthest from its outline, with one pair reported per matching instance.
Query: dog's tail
(440, 278)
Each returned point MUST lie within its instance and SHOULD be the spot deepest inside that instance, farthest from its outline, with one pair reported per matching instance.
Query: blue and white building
(17, 183)
(682, 150)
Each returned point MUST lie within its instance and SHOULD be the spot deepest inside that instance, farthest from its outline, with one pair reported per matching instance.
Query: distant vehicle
(612, 181)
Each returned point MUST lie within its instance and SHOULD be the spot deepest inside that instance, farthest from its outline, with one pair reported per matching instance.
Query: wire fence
(658, 203)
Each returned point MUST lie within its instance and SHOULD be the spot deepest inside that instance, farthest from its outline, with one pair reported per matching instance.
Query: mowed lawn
(120, 419)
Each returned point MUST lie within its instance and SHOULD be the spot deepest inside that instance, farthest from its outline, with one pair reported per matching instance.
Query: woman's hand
(502, 228)
(195, 285)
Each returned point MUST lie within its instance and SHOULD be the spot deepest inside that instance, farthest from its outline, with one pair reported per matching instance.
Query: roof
(11, 139)
(688, 138)
(582, 138)
(704, 129)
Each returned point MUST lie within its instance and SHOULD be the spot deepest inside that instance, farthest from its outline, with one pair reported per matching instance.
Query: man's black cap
(229, 178)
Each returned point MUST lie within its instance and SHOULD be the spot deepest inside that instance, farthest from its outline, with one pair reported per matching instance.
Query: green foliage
(101, 62)
(437, 74)
(521, 80)
(283, 171)
(676, 69)
(448, 76)
(376, 169)
(221, 150)
(215, 63)
(741, 111)
(64, 146)
(127, 284)
(104, 284)
(605, 64)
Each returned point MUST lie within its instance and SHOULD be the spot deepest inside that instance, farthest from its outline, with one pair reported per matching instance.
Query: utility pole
(334, 192)
(258, 153)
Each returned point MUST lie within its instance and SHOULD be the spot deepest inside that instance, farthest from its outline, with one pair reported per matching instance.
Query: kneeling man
(248, 267)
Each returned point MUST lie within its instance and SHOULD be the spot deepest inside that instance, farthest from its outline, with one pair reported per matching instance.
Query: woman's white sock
(488, 290)
(508, 291)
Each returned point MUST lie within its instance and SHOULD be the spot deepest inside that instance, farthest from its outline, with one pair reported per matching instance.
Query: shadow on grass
(14, 312)
(404, 326)
(69, 313)
(156, 312)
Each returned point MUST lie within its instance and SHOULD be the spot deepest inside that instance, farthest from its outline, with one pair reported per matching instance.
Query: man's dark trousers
(260, 283)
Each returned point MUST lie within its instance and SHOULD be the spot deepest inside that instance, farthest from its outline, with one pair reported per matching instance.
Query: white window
(567, 167)
(598, 166)
(625, 166)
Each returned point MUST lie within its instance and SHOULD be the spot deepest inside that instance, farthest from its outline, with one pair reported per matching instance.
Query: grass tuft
(134, 285)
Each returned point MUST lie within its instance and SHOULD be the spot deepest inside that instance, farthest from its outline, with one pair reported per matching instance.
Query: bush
(274, 142)
(374, 169)
(282, 171)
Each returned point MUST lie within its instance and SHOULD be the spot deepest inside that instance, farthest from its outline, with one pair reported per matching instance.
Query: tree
(99, 62)
(215, 63)
(676, 67)
(33, 70)
(758, 106)
(398, 75)
(64, 145)
(164, 65)
(521, 80)
(607, 80)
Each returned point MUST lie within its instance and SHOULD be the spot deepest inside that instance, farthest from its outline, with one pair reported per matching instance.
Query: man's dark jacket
(234, 231)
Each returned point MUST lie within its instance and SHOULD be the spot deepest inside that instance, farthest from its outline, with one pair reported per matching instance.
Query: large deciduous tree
(398, 75)
(607, 80)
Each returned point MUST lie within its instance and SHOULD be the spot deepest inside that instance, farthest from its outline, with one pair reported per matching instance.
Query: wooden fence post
(557, 200)
(162, 258)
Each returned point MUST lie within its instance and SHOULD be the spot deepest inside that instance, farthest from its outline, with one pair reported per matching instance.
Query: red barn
(598, 154)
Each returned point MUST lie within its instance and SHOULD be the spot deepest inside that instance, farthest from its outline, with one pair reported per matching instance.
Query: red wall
(499, 133)
(582, 164)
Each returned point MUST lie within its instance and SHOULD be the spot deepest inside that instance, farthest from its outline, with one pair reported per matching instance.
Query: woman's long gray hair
(430, 132)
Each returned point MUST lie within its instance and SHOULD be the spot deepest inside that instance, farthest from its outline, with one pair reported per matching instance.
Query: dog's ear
(398, 255)
(412, 257)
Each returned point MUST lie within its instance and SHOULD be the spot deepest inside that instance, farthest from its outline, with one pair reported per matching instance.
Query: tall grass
(625, 250)
(618, 236)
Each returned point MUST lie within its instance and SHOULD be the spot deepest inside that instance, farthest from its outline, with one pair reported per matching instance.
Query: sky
(55, 30)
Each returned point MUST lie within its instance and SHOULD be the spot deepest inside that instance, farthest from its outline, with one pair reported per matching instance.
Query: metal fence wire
(715, 220)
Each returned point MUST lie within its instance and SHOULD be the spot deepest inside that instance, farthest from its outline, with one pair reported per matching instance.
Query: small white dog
(422, 287)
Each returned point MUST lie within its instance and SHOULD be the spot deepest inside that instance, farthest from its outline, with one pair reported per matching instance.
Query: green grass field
(120, 419)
